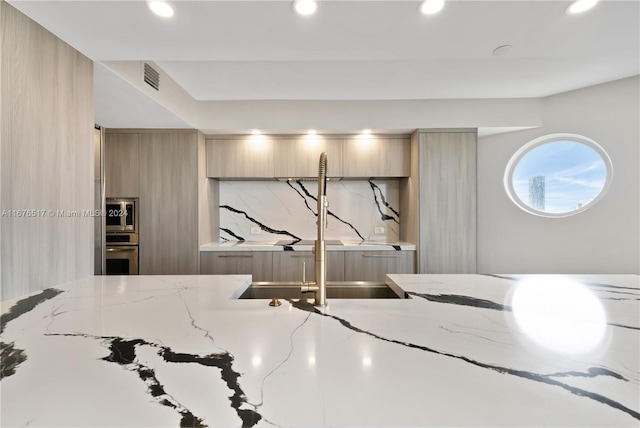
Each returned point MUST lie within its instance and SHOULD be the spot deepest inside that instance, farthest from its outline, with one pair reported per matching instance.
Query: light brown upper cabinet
(299, 157)
(121, 163)
(371, 156)
(261, 156)
(247, 157)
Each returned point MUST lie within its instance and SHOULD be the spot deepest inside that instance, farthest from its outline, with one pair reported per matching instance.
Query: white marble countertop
(465, 350)
(271, 246)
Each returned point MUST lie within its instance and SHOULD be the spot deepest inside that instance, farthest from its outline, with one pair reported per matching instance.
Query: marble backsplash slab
(287, 210)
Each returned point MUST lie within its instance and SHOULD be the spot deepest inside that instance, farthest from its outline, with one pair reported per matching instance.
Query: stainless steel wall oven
(121, 237)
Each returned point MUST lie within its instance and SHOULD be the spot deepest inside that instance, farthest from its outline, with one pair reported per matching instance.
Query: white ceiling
(355, 50)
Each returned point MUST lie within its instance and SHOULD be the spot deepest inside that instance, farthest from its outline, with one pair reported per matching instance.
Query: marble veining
(454, 299)
(330, 213)
(183, 351)
(25, 305)
(381, 201)
(10, 356)
(288, 209)
(262, 226)
(548, 379)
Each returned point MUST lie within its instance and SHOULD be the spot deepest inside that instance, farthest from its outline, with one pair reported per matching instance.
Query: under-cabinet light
(580, 6)
(305, 7)
(161, 8)
(429, 7)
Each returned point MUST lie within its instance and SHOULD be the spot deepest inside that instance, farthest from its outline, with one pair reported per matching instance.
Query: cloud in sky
(574, 174)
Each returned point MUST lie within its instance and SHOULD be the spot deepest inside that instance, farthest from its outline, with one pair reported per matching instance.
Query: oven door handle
(122, 249)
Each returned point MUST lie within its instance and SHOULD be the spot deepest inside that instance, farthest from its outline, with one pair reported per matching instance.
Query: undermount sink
(335, 290)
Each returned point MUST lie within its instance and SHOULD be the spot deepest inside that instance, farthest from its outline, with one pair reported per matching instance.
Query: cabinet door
(256, 263)
(376, 157)
(251, 157)
(300, 157)
(287, 266)
(121, 165)
(375, 265)
(168, 204)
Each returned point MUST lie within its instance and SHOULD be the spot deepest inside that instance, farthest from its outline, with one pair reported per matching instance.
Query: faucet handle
(304, 265)
(326, 216)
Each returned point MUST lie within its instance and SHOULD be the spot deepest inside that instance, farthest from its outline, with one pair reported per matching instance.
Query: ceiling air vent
(151, 77)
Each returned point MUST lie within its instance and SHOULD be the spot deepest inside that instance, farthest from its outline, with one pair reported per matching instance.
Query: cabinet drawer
(375, 265)
(259, 264)
(287, 266)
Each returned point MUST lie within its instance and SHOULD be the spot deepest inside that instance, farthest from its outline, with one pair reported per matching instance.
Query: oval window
(558, 175)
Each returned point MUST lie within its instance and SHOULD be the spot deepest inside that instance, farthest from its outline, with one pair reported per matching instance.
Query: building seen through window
(536, 192)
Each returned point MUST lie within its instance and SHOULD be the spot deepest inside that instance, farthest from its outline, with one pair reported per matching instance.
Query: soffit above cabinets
(260, 51)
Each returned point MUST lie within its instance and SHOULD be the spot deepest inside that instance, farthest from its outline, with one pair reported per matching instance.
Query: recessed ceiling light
(580, 6)
(312, 132)
(305, 7)
(502, 50)
(256, 132)
(366, 131)
(161, 8)
(429, 7)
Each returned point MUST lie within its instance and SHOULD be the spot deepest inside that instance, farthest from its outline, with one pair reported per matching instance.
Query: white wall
(602, 239)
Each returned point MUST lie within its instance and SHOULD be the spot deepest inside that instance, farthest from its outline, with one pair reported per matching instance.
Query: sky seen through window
(574, 175)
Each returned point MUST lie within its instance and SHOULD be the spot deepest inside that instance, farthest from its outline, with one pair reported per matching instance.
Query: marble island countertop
(272, 246)
(464, 350)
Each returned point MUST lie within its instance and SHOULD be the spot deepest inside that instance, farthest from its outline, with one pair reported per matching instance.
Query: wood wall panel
(409, 226)
(447, 198)
(168, 204)
(46, 139)
(208, 199)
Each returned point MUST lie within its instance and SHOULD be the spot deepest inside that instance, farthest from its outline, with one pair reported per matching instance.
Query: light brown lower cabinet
(256, 263)
(375, 265)
(287, 265)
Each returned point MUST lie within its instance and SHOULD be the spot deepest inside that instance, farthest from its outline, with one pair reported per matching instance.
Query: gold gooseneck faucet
(319, 286)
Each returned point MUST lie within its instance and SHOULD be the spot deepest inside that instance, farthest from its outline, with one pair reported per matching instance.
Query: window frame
(546, 139)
